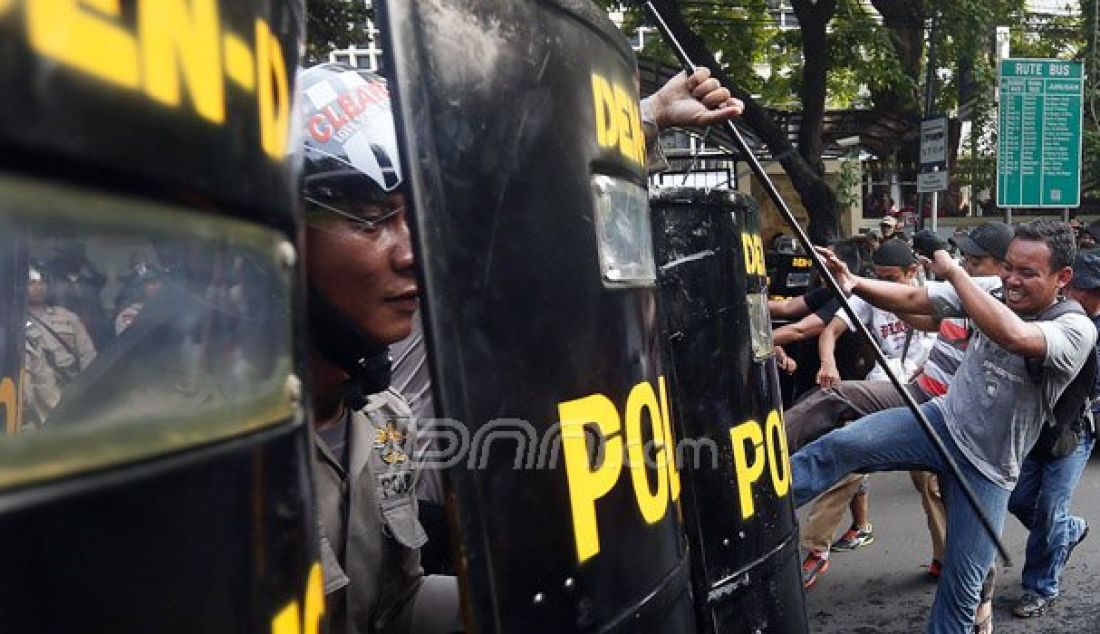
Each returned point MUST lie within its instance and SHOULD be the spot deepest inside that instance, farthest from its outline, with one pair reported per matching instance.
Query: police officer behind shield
(695, 100)
(362, 297)
(67, 343)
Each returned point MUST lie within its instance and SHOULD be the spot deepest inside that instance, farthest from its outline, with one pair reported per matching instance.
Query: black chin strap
(345, 345)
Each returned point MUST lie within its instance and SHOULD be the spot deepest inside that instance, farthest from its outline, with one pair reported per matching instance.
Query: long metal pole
(819, 264)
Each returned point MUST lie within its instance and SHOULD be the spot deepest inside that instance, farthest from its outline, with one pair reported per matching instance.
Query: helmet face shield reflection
(126, 357)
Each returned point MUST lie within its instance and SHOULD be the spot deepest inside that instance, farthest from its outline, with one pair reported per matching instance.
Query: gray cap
(988, 239)
(1086, 270)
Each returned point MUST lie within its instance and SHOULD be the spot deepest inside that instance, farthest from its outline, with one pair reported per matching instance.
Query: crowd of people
(994, 336)
(67, 322)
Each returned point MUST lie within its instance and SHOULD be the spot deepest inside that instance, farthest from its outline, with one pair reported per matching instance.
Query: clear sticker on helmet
(348, 122)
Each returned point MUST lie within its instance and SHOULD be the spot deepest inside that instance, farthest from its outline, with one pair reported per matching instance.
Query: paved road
(883, 587)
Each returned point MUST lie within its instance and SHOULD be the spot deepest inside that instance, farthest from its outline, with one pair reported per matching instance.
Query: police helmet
(350, 156)
(349, 140)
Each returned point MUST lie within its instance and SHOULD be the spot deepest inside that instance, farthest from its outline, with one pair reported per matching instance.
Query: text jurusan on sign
(174, 46)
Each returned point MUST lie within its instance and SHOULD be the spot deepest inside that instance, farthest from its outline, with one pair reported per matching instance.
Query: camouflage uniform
(368, 517)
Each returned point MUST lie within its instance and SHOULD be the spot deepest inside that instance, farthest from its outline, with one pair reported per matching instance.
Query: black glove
(926, 242)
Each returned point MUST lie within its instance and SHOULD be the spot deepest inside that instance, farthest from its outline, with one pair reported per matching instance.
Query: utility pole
(1003, 51)
(929, 100)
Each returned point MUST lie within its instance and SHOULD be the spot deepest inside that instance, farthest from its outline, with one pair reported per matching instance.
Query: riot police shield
(789, 273)
(149, 288)
(725, 398)
(12, 294)
(523, 146)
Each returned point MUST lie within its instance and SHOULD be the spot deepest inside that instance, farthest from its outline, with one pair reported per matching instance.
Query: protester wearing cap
(988, 240)
(1089, 237)
(889, 226)
(906, 350)
(991, 416)
(1042, 496)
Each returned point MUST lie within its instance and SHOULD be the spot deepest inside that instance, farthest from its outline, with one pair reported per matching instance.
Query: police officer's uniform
(40, 391)
(368, 517)
(64, 340)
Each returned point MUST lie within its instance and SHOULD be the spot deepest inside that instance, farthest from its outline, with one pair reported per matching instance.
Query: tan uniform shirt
(370, 534)
(40, 391)
(65, 341)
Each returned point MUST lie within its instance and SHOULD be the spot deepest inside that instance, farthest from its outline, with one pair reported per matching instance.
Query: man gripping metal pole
(950, 465)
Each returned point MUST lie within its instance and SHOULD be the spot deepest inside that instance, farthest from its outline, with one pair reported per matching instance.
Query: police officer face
(1029, 283)
(36, 291)
(364, 266)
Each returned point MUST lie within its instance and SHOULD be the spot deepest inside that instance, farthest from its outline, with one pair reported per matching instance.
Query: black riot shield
(526, 159)
(789, 274)
(725, 398)
(13, 276)
(155, 470)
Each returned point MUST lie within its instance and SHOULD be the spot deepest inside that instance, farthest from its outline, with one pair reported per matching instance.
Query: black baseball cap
(893, 252)
(988, 239)
(1086, 270)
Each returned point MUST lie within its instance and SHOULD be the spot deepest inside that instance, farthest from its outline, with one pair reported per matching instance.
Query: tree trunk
(817, 197)
(813, 18)
(904, 20)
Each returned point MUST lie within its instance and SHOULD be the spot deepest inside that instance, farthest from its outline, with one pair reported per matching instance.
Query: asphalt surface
(884, 587)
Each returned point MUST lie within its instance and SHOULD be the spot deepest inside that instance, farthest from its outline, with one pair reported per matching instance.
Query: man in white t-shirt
(906, 349)
(991, 416)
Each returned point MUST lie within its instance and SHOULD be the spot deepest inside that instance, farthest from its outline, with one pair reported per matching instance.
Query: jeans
(825, 410)
(892, 440)
(1041, 502)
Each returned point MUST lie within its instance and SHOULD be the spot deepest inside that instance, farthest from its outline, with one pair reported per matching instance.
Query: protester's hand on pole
(784, 362)
(694, 100)
(844, 277)
(941, 264)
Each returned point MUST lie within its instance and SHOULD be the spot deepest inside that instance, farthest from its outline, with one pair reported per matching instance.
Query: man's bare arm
(926, 323)
(891, 296)
(809, 326)
(828, 375)
(990, 315)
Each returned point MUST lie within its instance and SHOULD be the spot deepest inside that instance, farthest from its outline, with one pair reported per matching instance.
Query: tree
(812, 67)
(807, 178)
(334, 24)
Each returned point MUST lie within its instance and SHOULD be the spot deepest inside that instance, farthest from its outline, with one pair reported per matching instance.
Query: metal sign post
(933, 162)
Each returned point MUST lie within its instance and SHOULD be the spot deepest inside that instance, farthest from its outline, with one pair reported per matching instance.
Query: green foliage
(333, 24)
(862, 58)
(746, 39)
(847, 179)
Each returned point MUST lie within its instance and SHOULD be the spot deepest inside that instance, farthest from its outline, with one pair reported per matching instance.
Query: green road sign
(1039, 133)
